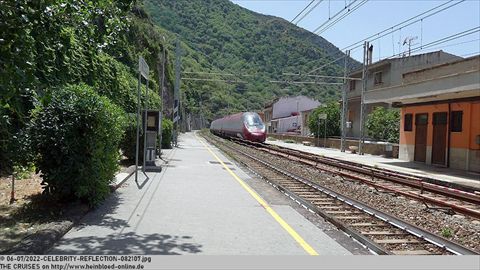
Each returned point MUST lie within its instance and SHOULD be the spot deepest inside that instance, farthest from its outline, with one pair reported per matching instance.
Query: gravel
(461, 229)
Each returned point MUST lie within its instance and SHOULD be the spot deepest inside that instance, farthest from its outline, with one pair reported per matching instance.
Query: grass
(447, 232)
(289, 141)
(271, 139)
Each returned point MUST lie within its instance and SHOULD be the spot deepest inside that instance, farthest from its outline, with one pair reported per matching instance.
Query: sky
(378, 15)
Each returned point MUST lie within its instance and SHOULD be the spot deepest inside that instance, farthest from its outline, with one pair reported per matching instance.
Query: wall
(354, 116)
(464, 151)
(285, 106)
(369, 148)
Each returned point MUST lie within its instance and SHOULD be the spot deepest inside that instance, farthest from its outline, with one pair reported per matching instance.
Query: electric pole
(366, 59)
(176, 94)
(162, 83)
(344, 103)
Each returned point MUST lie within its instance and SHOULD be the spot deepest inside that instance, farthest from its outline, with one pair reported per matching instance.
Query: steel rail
(400, 224)
(315, 160)
(395, 177)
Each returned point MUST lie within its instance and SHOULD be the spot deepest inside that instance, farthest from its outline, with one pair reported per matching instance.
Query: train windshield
(254, 120)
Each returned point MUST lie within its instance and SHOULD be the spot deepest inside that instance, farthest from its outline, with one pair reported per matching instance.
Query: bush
(5, 141)
(129, 140)
(384, 125)
(167, 128)
(76, 134)
(333, 120)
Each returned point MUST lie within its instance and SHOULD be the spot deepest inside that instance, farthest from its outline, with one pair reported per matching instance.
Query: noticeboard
(322, 116)
(143, 67)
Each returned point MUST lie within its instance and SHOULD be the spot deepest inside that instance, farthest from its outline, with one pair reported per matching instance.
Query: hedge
(76, 133)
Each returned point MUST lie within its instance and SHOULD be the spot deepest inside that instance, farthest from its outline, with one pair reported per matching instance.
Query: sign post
(143, 71)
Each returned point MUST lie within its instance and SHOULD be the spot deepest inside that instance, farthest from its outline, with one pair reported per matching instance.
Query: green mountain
(223, 37)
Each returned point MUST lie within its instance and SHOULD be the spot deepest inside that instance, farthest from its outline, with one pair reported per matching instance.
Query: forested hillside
(231, 39)
(68, 88)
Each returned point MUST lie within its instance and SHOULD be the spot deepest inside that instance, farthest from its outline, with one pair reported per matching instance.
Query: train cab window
(254, 120)
(407, 123)
(456, 121)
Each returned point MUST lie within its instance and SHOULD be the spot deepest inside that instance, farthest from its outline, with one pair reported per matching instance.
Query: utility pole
(366, 59)
(162, 83)
(344, 103)
(176, 94)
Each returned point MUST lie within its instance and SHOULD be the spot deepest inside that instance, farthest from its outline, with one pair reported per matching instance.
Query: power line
(216, 73)
(308, 12)
(347, 6)
(400, 25)
(302, 11)
(449, 38)
(318, 31)
(440, 41)
(320, 76)
(306, 82)
(213, 80)
(327, 64)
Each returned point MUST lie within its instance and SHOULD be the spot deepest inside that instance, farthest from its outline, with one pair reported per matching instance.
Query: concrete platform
(448, 175)
(195, 206)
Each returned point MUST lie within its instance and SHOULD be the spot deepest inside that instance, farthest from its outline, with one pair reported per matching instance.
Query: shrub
(167, 128)
(332, 110)
(76, 134)
(384, 125)
(129, 140)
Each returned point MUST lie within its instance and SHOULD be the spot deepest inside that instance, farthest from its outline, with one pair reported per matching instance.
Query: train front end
(253, 128)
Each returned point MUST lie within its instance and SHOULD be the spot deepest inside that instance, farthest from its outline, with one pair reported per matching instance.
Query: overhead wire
(319, 30)
(308, 12)
(439, 41)
(346, 6)
(311, 2)
(400, 25)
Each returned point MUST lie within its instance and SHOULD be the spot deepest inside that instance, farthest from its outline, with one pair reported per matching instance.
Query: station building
(383, 75)
(440, 114)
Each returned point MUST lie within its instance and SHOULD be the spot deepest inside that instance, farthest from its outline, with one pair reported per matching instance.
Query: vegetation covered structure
(68, 83)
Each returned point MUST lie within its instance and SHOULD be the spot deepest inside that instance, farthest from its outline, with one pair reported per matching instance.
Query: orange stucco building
(440, 114)
(444, 134)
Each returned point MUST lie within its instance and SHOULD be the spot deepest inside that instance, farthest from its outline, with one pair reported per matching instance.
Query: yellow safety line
(264, 204)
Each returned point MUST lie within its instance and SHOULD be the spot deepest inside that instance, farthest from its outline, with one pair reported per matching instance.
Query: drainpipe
(449, 129)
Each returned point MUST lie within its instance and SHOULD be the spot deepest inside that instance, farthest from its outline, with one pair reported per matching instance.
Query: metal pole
(318, 133)
(344, 104)
(12, 194)
(161, 96)
(138, 124)
(362, 99)
(325, 134)
(176, 99)
(145, 130)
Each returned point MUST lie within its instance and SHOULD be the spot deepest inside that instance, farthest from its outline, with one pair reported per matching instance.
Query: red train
(245, 125)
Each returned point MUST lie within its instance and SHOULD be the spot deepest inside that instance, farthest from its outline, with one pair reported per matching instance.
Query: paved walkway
(421, 170)
(196, 205)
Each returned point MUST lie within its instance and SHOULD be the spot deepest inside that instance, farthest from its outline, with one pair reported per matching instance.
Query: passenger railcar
(245, 125)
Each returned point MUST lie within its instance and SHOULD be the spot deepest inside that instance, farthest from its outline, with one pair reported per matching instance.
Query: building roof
(388, 61)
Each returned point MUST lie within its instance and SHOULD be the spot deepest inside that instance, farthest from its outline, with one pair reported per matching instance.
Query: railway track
(433, 196)
(379, 231)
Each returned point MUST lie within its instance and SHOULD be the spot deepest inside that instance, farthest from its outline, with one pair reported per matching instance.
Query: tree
(384, 124)
(332, 110)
